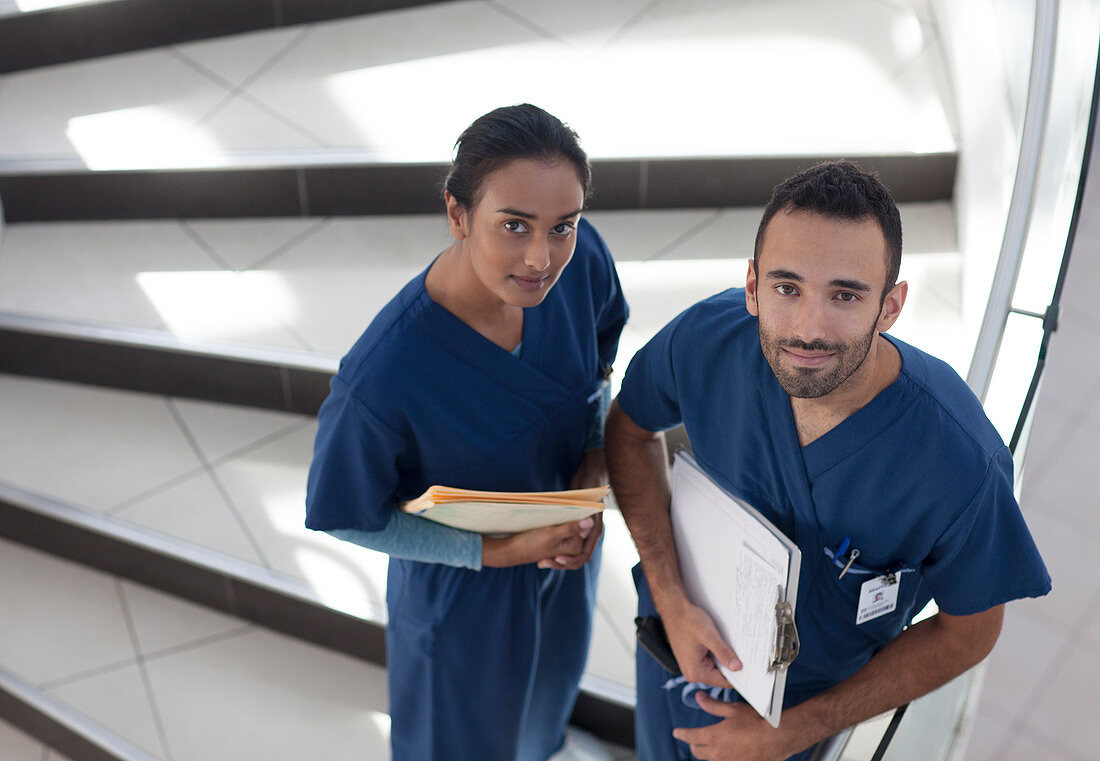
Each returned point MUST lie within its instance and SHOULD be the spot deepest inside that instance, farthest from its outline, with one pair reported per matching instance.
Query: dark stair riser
(320, 191)
(62, 35)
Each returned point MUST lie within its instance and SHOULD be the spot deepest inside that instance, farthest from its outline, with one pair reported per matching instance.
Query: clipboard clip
(786, 636)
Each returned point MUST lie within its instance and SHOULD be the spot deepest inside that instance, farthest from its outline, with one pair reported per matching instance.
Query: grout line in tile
(685, 236)
(129, 502)
(150, 695)
(1040, 468)
(212, 639)
(198, 67)
(904, 66)
(236, 513)
(204, 245)
(261, 442)
(306, 234)
(1000, 750)
(1050, 742)
(243, 92)
(80, 676)
(297, 336)
(1085, 318)
(1073, 639)
(904, 7)
(233, 509)
(279, 116)
(1073, 522)
(522, 20)
(283, 52)
(230, 90)
(240, 91)
(630, 23)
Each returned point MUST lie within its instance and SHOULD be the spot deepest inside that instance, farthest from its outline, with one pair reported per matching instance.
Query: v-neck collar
(862, 426)
(523, 374)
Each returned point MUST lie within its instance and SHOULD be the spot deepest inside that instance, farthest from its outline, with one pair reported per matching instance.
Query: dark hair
(504, 135)
(843, 190)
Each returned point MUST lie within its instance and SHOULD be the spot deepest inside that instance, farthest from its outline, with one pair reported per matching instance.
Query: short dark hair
(504, 135)
(843, 190)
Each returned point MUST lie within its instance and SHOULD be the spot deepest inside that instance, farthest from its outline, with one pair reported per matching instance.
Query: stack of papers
(505, 512)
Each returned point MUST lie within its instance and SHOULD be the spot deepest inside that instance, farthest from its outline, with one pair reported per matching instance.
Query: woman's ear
(457, 216)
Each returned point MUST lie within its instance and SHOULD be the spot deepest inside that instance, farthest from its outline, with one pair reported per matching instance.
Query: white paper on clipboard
(736, 565)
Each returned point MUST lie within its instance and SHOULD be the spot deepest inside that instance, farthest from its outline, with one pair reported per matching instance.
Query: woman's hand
(566, 542)
(566, 547)
(592, 471)
(567, 562)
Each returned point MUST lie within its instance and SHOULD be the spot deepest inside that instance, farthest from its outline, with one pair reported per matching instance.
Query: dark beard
(814, 383)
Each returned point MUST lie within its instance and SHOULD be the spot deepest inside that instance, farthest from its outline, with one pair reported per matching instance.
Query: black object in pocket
(652, 637)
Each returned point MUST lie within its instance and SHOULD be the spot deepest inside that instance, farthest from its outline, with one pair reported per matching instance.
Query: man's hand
(698, 645)
(918, 660)
(741, 735)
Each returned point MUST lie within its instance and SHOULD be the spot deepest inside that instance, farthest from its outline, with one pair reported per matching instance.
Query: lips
(530, 283)
(807, 359)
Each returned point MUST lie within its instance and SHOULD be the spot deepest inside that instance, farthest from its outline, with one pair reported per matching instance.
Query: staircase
(205, 208)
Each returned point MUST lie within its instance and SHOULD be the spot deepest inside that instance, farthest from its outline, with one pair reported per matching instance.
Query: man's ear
(750, 290)
(458, 218)
(891, 306)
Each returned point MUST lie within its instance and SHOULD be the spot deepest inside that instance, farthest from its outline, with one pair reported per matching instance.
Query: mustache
(794, 343)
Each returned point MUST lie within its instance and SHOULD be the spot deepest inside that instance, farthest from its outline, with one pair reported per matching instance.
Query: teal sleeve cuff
(411, 538)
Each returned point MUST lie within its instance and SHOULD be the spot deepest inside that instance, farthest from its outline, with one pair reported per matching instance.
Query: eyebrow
(528, 215)
(850, 285)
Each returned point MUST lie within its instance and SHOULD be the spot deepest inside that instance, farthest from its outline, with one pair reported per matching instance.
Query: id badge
(877, 597)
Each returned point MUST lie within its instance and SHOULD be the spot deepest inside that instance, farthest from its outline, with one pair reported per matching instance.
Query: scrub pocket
(844, 593)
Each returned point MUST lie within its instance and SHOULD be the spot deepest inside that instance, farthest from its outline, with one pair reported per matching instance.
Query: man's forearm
(637, 463)
(920, 659)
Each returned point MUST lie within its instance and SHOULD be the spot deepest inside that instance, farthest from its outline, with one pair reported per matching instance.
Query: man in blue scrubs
(874, 457)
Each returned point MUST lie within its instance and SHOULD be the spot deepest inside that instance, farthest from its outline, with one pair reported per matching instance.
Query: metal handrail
(997, 308)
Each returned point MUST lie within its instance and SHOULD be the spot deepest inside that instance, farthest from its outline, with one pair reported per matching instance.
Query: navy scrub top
(424, 399)
(918, 479)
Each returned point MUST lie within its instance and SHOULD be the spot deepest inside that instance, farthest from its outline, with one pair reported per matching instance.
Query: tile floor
(1043, 683)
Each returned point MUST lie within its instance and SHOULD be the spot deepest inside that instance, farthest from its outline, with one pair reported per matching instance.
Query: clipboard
(743, 571)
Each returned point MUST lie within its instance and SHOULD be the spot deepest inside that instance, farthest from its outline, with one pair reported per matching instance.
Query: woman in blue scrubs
(487, 371)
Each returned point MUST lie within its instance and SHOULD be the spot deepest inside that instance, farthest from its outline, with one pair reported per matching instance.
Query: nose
(537, 256)
(810, 321)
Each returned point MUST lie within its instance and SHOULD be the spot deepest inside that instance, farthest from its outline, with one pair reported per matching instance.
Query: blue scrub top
(424, 399)
(918, 479)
